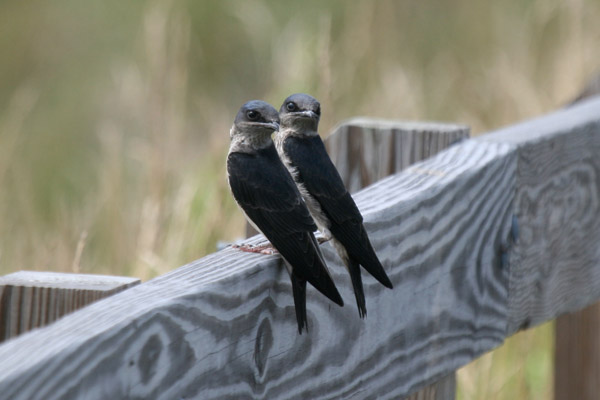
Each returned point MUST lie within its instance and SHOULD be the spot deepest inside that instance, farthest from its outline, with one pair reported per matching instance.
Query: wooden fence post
(577, 355)
(32, 299)
(367, 150)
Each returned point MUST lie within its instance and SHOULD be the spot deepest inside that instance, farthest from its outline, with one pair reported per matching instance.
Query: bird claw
(322, 239)
(266, 249)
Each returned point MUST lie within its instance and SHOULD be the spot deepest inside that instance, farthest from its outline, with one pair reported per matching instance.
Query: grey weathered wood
(443, 389)
(555, 264)
(31, 299)
(224, 326)
(365, 150)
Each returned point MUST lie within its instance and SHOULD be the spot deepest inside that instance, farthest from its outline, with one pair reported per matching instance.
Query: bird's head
(255, 118)
(300, 112)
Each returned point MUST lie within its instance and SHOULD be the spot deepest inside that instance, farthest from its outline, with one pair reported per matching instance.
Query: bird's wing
(266, 192)
(321, 178)
(264, 189)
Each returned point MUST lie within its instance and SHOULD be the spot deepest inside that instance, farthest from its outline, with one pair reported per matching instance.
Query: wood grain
(443, 389)
(365, 150)
(224, 326)
(31, 299)
(555, 265)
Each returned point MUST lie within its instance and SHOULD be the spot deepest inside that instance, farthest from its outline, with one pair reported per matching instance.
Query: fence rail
(31, 299)
(492, 235)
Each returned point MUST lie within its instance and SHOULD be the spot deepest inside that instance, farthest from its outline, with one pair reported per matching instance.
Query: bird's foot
(322, 239)
(267, 249)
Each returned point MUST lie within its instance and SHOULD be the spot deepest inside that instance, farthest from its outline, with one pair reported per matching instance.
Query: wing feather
(316, 172)
(266, 192)
(321, 178)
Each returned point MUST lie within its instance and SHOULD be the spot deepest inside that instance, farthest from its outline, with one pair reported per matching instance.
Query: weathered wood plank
(224, 327)
(555, 265)
(365, 150)
(31, 299)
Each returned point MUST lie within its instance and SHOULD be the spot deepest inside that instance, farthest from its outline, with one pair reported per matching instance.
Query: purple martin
(266, 193)
(333, 209)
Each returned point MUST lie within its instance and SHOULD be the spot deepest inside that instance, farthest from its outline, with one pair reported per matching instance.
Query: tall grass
(114, 116)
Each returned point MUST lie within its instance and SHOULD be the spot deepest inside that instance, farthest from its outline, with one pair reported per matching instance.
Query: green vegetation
(520, 369)
(114, 116)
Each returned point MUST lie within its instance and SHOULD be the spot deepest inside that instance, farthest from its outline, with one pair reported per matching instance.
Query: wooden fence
(32, 299)
(493, 235)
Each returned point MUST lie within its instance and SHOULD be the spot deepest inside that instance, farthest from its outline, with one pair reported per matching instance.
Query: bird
(303, 153)
(268, 197)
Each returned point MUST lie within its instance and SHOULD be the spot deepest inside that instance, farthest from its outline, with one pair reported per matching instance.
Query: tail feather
(307, 263)
(299, 291)
(353, 237)
(326, 286)
(368, 259)
(355, 277)
(323, 282)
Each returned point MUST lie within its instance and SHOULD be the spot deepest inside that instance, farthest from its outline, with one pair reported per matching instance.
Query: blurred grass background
(114, 116)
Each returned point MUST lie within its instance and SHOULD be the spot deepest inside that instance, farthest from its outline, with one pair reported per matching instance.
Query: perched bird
(303, 153)
(265, 191)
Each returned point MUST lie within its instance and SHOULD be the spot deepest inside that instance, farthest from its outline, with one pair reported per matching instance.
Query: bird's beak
(308, 114)
(274, 125)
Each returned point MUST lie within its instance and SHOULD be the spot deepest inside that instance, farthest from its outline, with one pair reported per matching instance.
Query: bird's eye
(318, 111)
(252, 115)
(290, 106)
